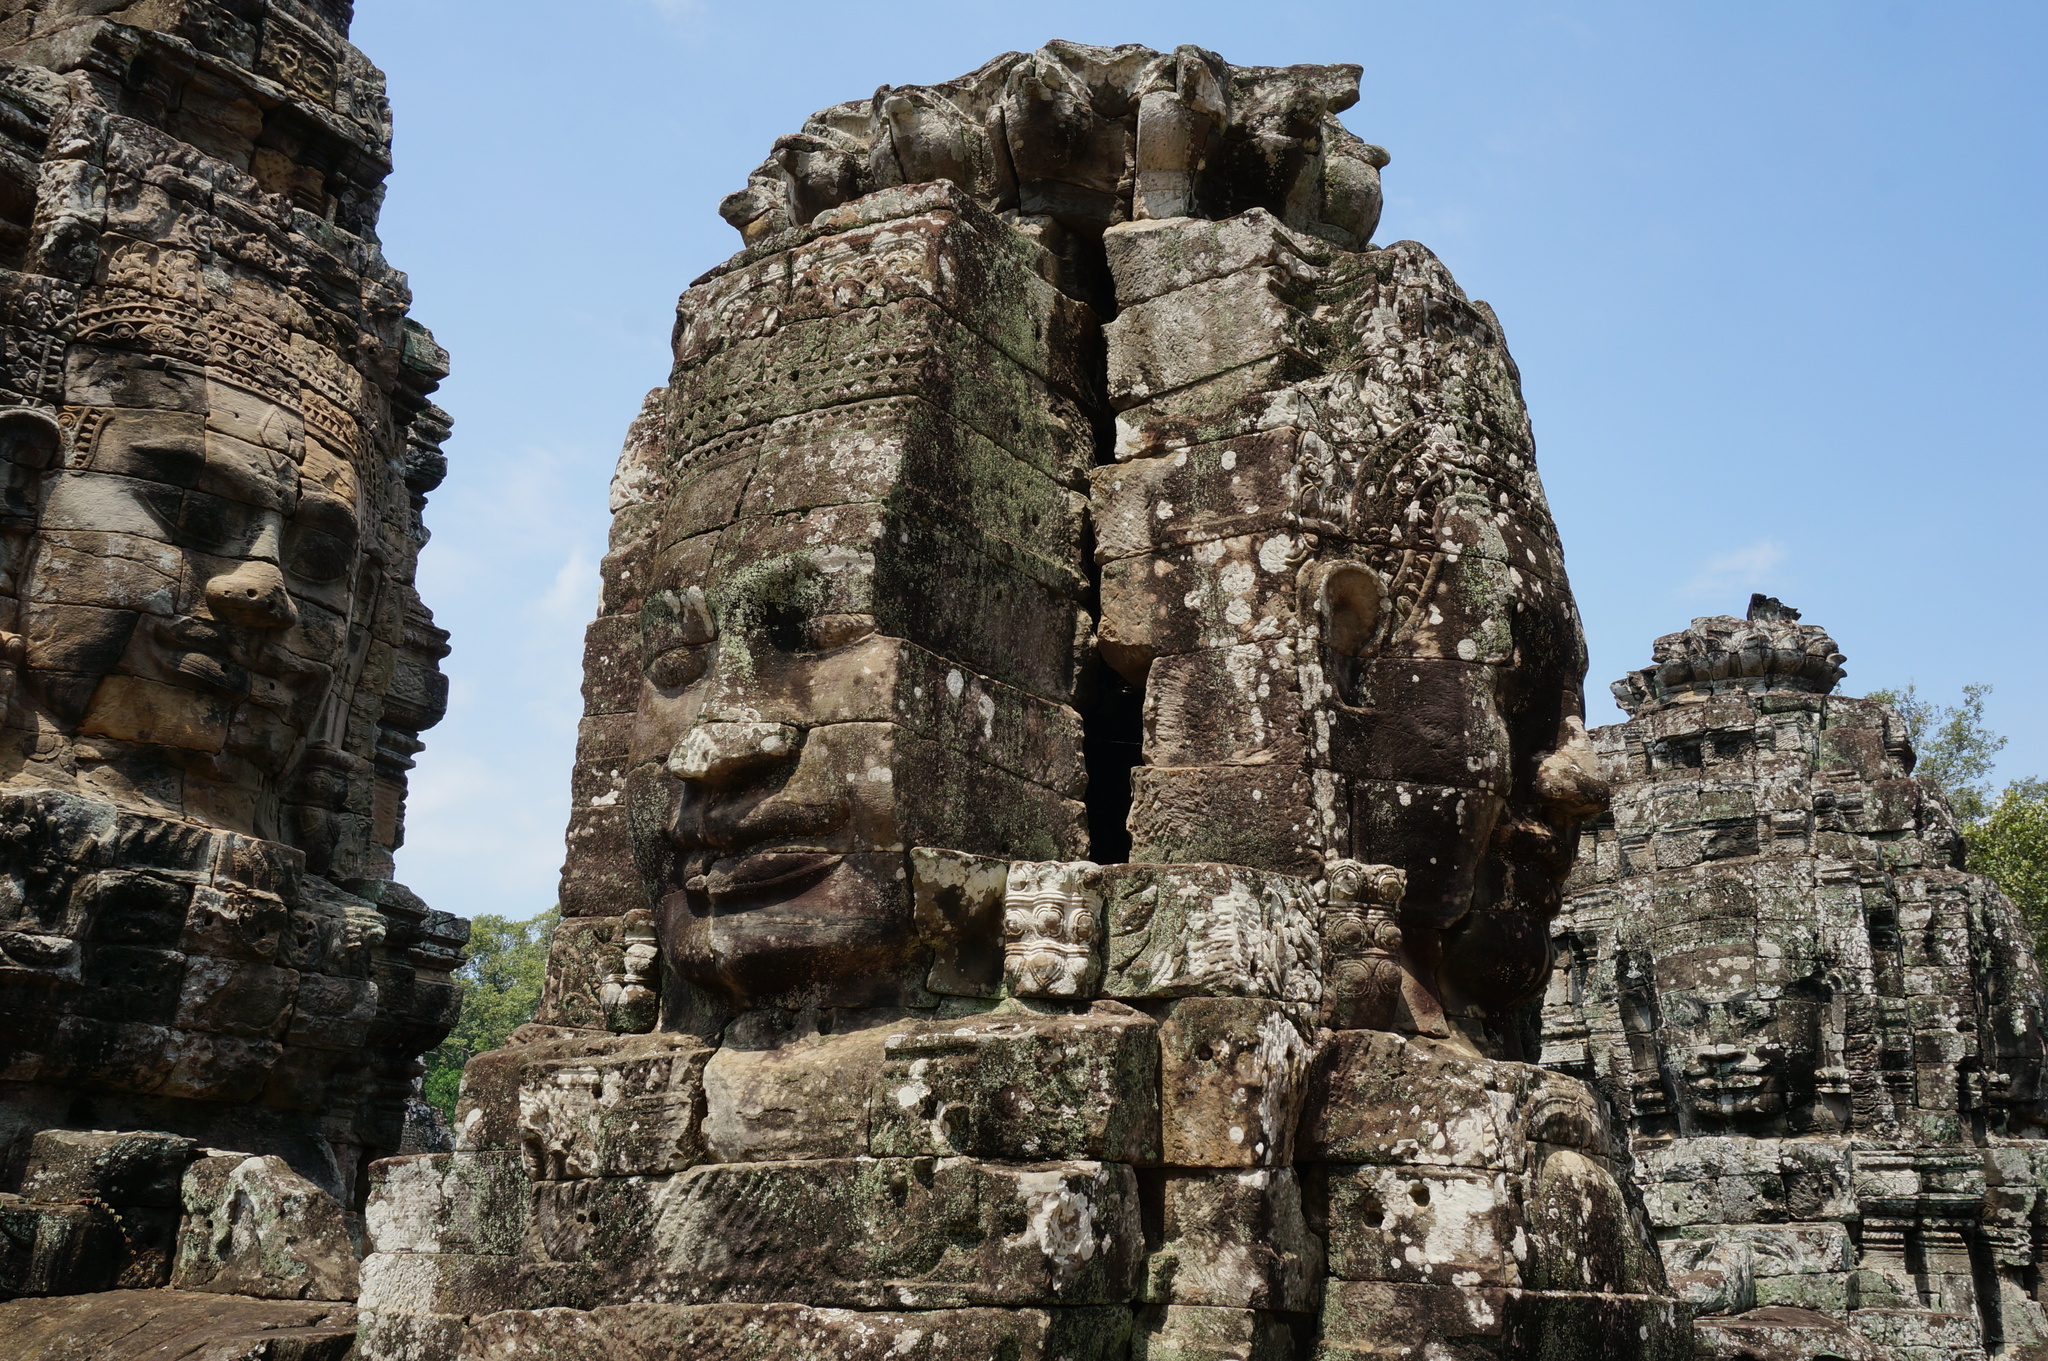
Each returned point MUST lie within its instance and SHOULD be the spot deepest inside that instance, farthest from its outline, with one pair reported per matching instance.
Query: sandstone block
(1265, 816)
(902, 448)
(410, 1293)
(1379, 1319)
(1233, 1076)
(1021, 1086)
(248, 1000)
(907, 348)
(1210, 930)
(1218, 593)
(139, 1169)
(55, 1249)
(1185, 1332)
(881, 679)
(1235, 1240)
(869, 1233)
(624, 1105)
(1784, 1332)
(586, 950)
(1222, 490)
(1581, 1232)
(1207, 329)
(975, 267)
(807, 1099)
(1227, 706)
(1163, 255)
(793, 1332)
(169, 1323)
(386, 1336)
(1408, 1100)
(1424, 1225)
(255, 1227)
(466, 1203)
(1712, 1275)
(958, 901)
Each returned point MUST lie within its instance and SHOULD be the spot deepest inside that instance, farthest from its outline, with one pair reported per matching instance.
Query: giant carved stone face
(1739, 1053)
(203, 592)
(1344, 593)
(219, 632)
(861, 619)
(772, 830)
(197, 552)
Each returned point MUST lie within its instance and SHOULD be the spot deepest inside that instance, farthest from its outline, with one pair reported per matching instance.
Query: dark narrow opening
(1112, 708)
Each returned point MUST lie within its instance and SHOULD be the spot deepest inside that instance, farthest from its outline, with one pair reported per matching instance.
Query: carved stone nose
(254, 596)
(713, 751)
(1722, 1056)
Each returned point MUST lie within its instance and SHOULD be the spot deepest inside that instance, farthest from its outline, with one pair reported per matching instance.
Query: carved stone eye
(676, 630)
(1351, 598)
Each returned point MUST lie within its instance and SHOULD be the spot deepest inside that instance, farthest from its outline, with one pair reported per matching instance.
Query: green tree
(2008, 838)
(1956, 749)
(501, 983)
(2009, 846)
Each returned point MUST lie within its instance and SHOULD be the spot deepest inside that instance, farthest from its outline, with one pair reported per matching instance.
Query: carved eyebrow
(170, 456)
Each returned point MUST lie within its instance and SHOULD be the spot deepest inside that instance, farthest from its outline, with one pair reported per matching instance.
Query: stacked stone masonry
(1083, 743)
(134, 1245)
(1824, 1040)
(216, 442)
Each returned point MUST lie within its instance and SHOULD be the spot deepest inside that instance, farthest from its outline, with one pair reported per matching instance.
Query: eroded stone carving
(1093, 954)
(215, 444)
(1052, 930)
(1825, 1038)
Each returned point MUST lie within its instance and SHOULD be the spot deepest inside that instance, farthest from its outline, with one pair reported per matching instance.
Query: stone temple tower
(216, 442)
(1825, 1038)
(1083, 746)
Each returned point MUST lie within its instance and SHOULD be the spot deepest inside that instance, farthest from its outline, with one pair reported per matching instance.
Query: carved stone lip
(208, 655)
(1732, 1082)
(765, 875)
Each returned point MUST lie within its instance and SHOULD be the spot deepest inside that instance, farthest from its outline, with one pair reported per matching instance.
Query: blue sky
(1773, 274)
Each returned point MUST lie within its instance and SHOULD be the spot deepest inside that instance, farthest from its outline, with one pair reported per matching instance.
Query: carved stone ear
(1349, 600)
(29, 437)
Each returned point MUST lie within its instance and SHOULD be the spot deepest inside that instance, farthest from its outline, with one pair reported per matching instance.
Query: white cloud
(572, 599)
(1750, 568)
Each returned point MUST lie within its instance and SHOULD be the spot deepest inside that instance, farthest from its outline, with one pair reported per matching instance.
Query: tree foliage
(2009, 846)
(501, 983)
(2008, 836)
(1956, 749)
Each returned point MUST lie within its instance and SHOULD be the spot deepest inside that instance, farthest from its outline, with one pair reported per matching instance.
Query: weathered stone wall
(1057, 473)
(131, 1245)
(215, 446)
(1826, 1040)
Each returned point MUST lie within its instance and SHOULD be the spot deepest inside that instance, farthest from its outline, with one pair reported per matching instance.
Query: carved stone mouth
(763, 876)
(224, 662)
(1733, 1084)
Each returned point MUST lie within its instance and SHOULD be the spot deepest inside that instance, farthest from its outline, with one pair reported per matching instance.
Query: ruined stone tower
(1825, 1040)
(1083, 745)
